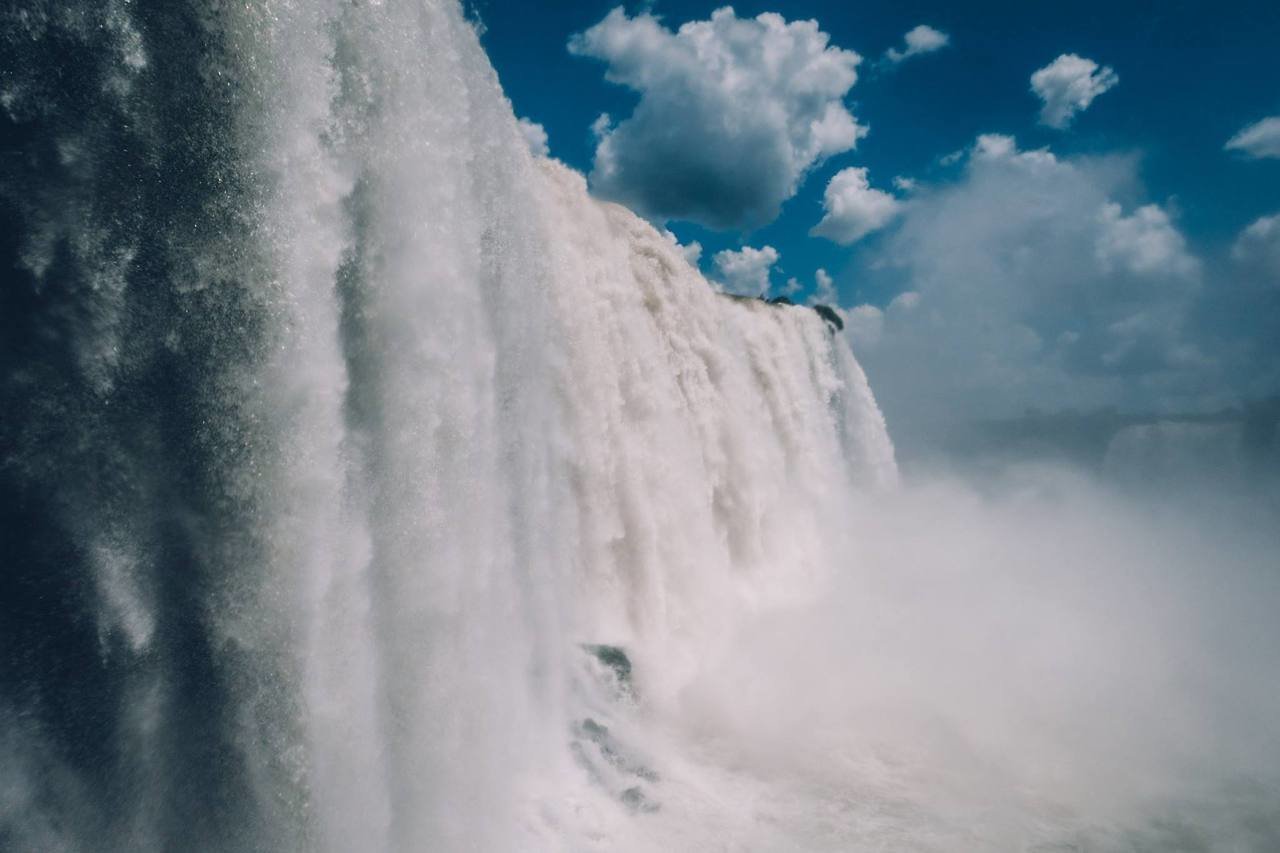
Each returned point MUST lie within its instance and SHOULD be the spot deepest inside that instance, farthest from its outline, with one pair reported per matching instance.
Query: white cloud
(1067, 86)
(905, 301)
(921, 39)
(601, 126)
(1260, 139)
(852, 208)
(1257, 250)
(824, 292)
(904, 184)
(733, 113)
(999, 146)
(692, 250)
(863, 325)
(745, 272)
(535, 136)
(1024, 282)
(1144, 243)
(993, 146)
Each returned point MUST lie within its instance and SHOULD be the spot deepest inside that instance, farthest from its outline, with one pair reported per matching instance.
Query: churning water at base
(367, 486)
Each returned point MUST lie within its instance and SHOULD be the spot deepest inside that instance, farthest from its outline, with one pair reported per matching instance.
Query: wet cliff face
(129, 318)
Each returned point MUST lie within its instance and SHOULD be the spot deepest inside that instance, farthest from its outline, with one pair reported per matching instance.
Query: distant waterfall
(334, 424)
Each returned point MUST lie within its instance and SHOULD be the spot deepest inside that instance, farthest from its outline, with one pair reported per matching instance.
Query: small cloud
(919, 40)
(825, 289)
(852, 208)
(1143, 243)
(745, 272)
(1068, 86)
(1259, 140)
(732, 114)
(535, 136)
(692, 250)
(904, 184)
(905, 301)
(864, 325)
(1257, 249)
(994, 147)
(601, 126)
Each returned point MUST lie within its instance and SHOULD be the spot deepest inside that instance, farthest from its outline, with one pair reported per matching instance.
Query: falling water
(335, 425)
(366, 485)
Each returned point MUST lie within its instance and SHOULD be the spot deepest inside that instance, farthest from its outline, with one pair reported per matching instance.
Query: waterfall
(337, 425)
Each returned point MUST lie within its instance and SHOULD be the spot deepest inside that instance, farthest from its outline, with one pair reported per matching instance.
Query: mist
(1038, 659)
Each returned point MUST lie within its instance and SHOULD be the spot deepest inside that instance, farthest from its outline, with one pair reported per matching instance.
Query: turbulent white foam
(714, 440)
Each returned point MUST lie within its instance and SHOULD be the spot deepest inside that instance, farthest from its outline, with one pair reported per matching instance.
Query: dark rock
(828, 314)
(615, 658)
(781, 300)
(610, 750)
(596, 750)
(634, 799)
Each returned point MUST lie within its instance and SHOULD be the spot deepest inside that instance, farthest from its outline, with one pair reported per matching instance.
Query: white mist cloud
(918, 40)
(1259, 140)
(535, 136)
(733, 113)
(852, 208)
(1043, 664)
(1028, 282)
(1257, 249)
(745, 272)
(1068, 86)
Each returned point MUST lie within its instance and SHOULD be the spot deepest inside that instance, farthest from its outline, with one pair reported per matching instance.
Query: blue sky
(1140, 169)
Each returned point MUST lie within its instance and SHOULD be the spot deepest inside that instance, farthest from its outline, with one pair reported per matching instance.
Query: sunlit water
(367, 486)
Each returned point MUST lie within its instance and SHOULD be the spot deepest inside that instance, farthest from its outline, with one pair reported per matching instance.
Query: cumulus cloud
(1246, 316)
(824, 291)
(733, 113)
(1068, 86)
(1027, 282)
(692, 250)
(993, 146)
(918, 40)
(745, 272)
(905, 301)
(535, 136)
(863, 325)
(1258, 140)
(1257, 249)
(852, 208)
(1144, 243)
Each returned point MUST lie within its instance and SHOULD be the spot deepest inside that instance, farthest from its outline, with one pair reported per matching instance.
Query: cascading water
(365, 485)
(335, 425)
